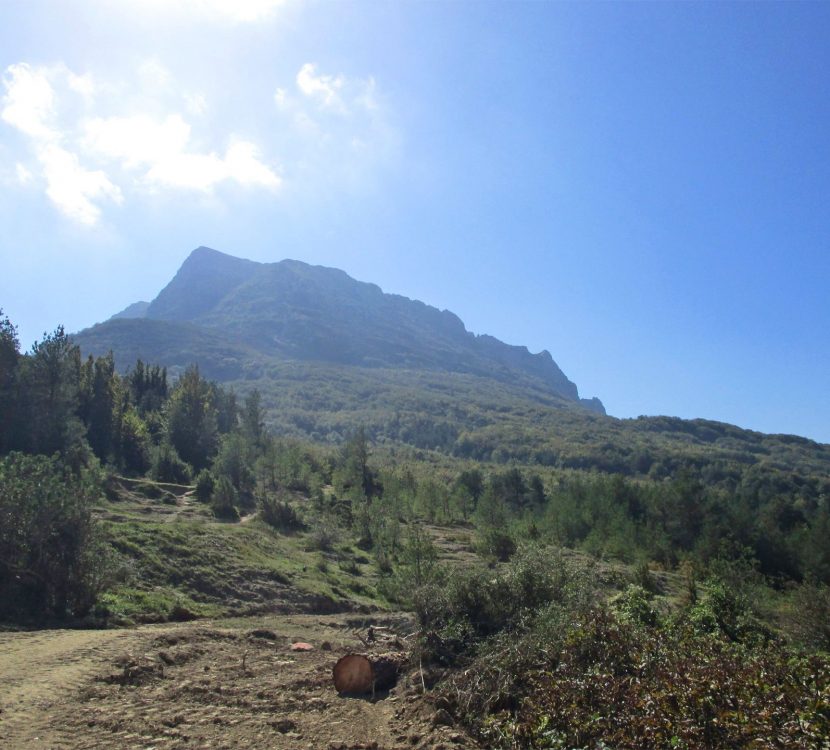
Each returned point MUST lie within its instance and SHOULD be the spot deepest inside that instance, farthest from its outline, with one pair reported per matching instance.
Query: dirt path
(38, 670)
(233, 684)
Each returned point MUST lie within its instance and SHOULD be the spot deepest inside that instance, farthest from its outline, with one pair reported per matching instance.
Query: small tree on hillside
(52, 559)
(191, 419)
(419, 555)
(49, 395)
(253, 418)
(9, 360)
(225, 500)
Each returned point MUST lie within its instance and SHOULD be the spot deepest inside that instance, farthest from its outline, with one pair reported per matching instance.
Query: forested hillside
(329, 355)
(450, 447)
(141, 497)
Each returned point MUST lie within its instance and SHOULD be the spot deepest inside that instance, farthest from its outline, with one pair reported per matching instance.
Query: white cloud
(338, 128)
(244, 166)
(136, 140)
(29, 106)
(24, 174)
(188, 171)
(140, 150)
(155, 76)
(333, 94)
(72, 188)
(203, 172)
(322, 88)
(29, 102)
(239, 11)
(98, 140)
(81, 84)
(162, 148)
(196, 104)
(308, 127)
(366, 98)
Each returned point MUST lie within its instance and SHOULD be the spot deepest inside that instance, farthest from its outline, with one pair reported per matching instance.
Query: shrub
(279, 513)
(726, 610)
(644, 578)
(135, 443)
(224, 500)
(810, 618)
(52, 560)
(235, 460)
(325, 533)
(167, 466)
(383, 560)
(635, 605)
(205, 484)
(471, 606)
(620, 685)
(497, 544)
(585, 677)
(417, 567)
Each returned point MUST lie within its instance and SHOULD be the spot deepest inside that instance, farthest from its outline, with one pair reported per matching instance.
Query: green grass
(125, 605)
(211, 568)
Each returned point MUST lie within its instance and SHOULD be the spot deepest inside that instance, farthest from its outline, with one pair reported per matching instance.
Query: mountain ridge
(484, 410)
(296, 311)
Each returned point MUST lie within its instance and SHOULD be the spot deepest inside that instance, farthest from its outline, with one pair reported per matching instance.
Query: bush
(134, 450)
(727, 610)
(279, 513)
(235, 460)
(167, 466)
(644, 578)
(635, 605)
(325, 533)
(224, 500)
(471, 606)
(573, 676)
(205, 484)
(383, 560)
(417, 568)
(52, 560)
(616, 684)
(810, 618)
(497, 544)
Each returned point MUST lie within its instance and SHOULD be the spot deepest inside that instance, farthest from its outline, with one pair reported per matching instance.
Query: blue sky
(642, 189)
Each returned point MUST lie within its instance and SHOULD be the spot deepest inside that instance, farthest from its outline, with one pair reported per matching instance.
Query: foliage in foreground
(545, 665)
(634, 687)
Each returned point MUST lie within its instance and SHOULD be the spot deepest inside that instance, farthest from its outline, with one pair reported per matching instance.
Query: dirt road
(232, 684)
(39, 670)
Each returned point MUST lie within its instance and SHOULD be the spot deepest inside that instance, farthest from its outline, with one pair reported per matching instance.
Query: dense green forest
(738, 521)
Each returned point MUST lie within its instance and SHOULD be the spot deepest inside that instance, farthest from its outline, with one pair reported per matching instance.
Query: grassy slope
(177, 561)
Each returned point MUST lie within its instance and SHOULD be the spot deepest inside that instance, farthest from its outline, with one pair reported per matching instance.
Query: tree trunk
(356, 674)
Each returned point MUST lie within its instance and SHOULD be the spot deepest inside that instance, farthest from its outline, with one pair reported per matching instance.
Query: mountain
(232, 316)
(330, 355)
(135, 310)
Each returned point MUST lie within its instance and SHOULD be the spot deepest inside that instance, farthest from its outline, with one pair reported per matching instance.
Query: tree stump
(356, 674)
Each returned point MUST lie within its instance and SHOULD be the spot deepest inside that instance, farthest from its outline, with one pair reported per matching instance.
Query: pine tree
(191, 419)
(9, 360)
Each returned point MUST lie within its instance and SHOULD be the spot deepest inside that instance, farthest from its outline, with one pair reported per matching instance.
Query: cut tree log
(356, 674)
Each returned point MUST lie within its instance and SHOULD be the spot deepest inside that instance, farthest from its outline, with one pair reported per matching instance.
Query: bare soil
(223, 684)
